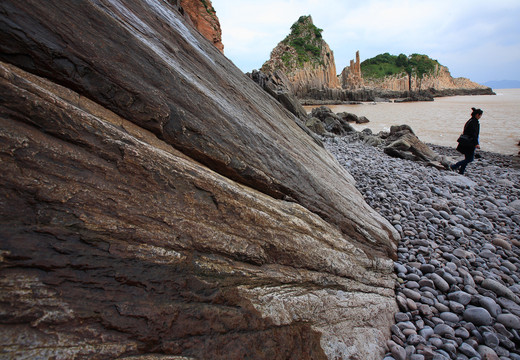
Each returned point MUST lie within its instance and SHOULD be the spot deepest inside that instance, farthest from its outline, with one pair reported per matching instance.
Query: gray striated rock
(157, 202)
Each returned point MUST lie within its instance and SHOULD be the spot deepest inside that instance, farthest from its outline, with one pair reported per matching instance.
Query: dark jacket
(472, 129)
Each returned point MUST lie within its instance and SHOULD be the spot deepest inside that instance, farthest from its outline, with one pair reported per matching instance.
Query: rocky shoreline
(317, 97)
(458, 266)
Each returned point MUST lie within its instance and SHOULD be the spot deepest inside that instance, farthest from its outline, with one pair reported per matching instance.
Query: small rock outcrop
(204, 19)
(351, 77)
(157, 203)
(331, 122)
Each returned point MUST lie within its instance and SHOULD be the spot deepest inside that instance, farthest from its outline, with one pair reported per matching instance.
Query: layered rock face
(305, 58)
(204, 18)
(156, 202)
(440, 80)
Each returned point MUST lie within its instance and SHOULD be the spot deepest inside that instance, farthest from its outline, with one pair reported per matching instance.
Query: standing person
(470, 135)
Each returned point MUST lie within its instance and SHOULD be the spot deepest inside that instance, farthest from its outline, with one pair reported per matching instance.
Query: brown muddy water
(441, 121)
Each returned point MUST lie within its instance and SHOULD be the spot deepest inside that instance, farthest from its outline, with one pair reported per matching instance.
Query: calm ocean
(441, 121)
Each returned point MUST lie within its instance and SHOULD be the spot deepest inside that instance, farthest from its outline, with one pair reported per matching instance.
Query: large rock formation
(155, 201)
(438, 81)
(305, 58)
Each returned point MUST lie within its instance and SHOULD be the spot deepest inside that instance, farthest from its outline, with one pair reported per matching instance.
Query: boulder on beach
(332, 123)
(349, 117)
(402, 142)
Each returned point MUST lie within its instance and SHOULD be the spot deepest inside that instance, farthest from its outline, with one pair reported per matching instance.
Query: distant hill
(416, 72)
(503, 84)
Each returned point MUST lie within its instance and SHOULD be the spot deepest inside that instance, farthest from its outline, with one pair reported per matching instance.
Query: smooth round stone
(398, 352)
(460, 296)
(468, 350)
(441, 355)
(443, 330)
(501, 329)
(440, 283)
(509, 320)
(412, 285)
(498, 289)
(502, 243)
(427, 300)
(426, 332)
(436, 342)
(478, 316)
(406, 325)
(449, 317)
(456, 307)
(490, 339)
(449, 278)
(441, 307)
(400, 268)
(487, 353)
(400, 316)
(424, 282)
(445, 215)
(411, 304)
(415, 340)
(449, 347)
(413, 277)
(456, 232)
(490, 305)
(462, 333)
(408, 332)
(514, 356)
(411, 294)
(509, 265)
(427, 268)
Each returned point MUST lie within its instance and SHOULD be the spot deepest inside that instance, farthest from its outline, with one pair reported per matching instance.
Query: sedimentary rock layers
(154, 200)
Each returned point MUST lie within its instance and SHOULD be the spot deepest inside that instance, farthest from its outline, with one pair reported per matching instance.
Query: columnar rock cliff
(156, 202)
(351, 77)
(305, 58)
(440, 79)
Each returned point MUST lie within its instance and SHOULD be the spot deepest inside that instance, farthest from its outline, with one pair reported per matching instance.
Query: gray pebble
(443, 330)
(509, 320)
(460, 296)
(468, 350)
(478, 316)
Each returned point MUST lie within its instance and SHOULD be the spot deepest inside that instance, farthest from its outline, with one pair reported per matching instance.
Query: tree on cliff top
(303, 45)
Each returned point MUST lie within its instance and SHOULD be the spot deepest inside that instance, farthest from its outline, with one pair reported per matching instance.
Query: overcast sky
(476, 39)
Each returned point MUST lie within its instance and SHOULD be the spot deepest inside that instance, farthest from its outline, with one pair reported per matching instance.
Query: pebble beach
(458, 260)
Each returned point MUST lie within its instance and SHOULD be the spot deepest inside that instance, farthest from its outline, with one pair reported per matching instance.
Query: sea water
(441, 121)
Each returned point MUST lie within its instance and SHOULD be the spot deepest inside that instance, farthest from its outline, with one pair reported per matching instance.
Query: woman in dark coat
(471, 130)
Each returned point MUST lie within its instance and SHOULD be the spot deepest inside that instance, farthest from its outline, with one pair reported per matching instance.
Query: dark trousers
(469, 155)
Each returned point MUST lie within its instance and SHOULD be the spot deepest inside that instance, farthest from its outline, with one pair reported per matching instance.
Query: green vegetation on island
(306, 41)
(387, 65)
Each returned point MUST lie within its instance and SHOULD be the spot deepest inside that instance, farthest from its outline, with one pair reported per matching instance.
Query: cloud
(474, 38)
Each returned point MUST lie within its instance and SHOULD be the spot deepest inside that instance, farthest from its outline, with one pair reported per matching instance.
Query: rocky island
(308, 63)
